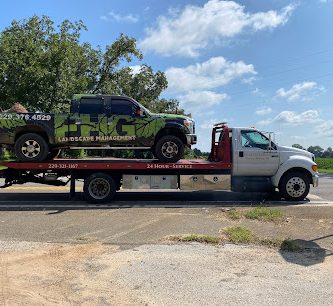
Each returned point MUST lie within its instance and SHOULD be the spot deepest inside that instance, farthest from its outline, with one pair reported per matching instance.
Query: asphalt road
(37, 194)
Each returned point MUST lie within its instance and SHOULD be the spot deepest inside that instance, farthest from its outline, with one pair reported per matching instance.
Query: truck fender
(297, 163)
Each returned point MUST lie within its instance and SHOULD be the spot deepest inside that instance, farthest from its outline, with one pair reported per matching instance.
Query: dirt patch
(57, 274)
(192, 274)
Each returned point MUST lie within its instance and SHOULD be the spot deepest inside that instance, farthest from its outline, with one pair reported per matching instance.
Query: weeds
(258, 213)
(196, 238)
(234, 214)
(239, 234)
(264, 214)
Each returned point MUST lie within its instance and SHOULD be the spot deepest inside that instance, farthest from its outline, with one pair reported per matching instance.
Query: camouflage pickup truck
(95, 121)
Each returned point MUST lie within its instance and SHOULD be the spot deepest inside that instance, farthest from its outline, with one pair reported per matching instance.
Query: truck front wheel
(31, 147)
(169, 149)
(99, 188)
(294, 186)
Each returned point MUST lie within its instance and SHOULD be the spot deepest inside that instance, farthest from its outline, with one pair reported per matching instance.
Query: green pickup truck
(97, 121)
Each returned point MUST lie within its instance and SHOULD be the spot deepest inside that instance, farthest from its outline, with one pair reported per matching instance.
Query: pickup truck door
(121, 122)
(88, 124)
(252, 155)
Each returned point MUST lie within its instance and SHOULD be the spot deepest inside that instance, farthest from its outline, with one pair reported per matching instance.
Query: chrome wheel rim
(169, 149)
(295, 187)
(31, 149)
(99, 188)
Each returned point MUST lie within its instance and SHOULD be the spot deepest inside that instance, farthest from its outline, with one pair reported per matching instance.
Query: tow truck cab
(259, 164)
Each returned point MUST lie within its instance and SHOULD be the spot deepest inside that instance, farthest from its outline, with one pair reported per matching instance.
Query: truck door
(88, 123)
(252, 155)
(121, 122)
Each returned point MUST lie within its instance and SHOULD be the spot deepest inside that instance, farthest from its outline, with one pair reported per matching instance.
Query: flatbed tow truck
(241, 159)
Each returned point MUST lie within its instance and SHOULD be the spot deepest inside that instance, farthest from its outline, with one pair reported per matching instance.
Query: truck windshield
(255, 139)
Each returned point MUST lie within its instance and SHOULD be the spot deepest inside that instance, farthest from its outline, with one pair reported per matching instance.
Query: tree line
(43, 65)
(317, 150)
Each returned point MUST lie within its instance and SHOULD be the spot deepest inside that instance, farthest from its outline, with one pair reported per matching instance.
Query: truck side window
(254, 139)
(91, 106)
(122, 107)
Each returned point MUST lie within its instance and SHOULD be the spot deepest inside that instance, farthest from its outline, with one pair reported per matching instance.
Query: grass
(258, 213)
(234, 214)
(325, 165)
(195, 238)
(264, 214)
(327, 171)
(239, 234)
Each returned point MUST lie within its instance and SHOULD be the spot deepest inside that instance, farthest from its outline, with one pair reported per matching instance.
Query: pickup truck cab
(97, 121)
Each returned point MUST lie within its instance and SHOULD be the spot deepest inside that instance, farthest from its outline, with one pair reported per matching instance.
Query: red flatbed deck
(116, 164)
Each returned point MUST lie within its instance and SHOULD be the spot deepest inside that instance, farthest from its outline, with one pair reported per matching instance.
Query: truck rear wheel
(169, 149)
(31, 147)
(99, 188)
(294, 186)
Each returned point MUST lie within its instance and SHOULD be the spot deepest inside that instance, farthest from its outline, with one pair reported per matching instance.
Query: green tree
(328, 152)
(316, 150)
(42, 65)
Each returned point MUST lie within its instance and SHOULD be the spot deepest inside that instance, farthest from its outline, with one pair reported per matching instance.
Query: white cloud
(194, 28)
(261, 111)
(130, 18)
(197, 101)
(302, 91)
(294, 118)
(213, 73)
(325, 129)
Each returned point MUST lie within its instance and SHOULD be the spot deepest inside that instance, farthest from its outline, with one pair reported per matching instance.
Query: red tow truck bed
(117, 164)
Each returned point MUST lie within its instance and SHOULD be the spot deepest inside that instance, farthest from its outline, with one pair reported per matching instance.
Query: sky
(254, 63)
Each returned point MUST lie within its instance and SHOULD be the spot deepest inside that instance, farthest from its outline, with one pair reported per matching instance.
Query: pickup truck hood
(172, 116)
(287, 152)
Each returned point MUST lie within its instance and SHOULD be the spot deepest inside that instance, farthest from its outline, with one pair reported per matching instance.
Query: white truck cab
(255, 156)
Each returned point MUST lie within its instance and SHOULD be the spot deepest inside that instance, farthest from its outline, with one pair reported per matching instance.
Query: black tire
(53, 154)
(169, 149)
(99, 188)
(294, 186)
(31, 147)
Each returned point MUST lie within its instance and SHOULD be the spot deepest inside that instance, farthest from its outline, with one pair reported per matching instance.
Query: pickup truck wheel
(294, 186)
(169, 149)
(99, 188)
(31, 147)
